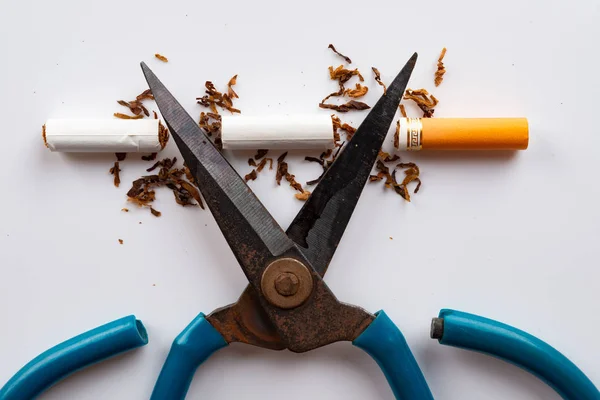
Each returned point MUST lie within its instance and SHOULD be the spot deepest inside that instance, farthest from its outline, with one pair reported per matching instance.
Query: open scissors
(287, 305)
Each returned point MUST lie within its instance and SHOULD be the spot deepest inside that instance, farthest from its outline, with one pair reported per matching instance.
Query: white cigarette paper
(105, 135)
(283, 132)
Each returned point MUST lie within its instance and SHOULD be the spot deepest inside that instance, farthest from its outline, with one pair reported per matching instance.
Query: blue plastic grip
(487, 336)
(72, 355)
(383, 341)
(190, 349)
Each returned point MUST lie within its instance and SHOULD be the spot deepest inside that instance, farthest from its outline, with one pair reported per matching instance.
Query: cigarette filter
(239, 132)
(105, 135)
(463, 134)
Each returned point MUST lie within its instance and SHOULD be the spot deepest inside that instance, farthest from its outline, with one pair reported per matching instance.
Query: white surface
(287, 132)
(511, 237)
(102, 135)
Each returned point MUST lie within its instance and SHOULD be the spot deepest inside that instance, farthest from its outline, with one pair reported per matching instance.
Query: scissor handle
(190, 349)
(384, 342)
(472, 332)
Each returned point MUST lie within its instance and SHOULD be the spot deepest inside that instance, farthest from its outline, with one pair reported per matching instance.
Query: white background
(513, 237)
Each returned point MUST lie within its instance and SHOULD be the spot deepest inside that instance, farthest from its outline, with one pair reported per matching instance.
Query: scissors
(287, 305)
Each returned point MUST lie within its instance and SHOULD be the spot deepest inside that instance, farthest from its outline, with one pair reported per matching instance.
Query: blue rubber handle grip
(190, 349)
(487, 336)
(383, 341)
(72, 355)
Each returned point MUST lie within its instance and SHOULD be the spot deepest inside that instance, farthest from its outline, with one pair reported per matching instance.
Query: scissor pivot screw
(286, 283)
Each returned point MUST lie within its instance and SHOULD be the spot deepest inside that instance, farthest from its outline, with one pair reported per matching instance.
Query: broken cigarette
(105, 135)
(285, 132)
(463, 134)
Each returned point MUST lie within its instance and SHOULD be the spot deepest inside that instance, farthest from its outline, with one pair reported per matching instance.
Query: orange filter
(463, 134)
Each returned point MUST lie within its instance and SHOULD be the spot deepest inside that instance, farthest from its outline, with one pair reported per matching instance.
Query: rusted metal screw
(287, 284)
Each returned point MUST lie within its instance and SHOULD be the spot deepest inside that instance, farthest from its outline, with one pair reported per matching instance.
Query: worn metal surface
(257, 240)
(280, 276)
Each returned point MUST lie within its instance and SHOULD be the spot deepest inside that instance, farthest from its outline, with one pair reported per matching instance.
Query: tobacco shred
(232, 94)
(142, 190)
(359, 91)
(324, 161)
(402, 111)
(136, 106)
(260, 154)
(282, 172)
(155, 212)
(262, 164)
(386, 157)
(120, 241)
(411, 175)
(339, 125)
(343, 75)
(251, 162)
(441, 70)
(161, 57)
(44, 135)
(302, 196)
(347, 59)
(378, 79)
(251, 176)
(115, 171)
(125, 116)
(155, 114)
(214, 98)
(397, 135)
(150, 157)
(351, 105)
(121, 156)
(425, 101)
(163, 135)
(125, 209)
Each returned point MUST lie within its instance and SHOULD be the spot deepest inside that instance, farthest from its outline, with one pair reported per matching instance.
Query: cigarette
(105, 135)
(463, 134)
(287, 132)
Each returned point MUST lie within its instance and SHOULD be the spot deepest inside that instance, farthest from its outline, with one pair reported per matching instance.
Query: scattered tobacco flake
(121, 156)
(425, 101)
(386, 157)
(402, 111)
(378, 79)
(441, 70)
(161, 57)
(358, 91)
(260, 154)
(251, 176)
(125, 116)
(397, 135)
(262, 164)
(44, 135)
(136, 106)
(150, 157)
(210, 123)
(351, 105)
(154, 212)
(125, 209)
(412, 174)
(347, 59)
(282, 168)
(155, 114)
(163, 135)
(302, 196)
(343, 75)
(115, 171)
(340, 92)
(232, 94)
(214, 98)
(339, 125)
(142, 190)
(325, 162)
(251, 162)
(120, 241)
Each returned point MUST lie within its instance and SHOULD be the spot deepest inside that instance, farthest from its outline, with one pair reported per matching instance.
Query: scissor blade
(251, 232)
(320, 224)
